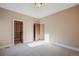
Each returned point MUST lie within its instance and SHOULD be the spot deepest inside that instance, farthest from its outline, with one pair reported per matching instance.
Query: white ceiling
(30, 10)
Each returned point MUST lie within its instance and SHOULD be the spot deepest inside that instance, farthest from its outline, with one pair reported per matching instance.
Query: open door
(18, 32)
(36, 32)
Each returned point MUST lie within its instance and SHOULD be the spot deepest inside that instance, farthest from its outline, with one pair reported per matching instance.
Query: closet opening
(18, 32)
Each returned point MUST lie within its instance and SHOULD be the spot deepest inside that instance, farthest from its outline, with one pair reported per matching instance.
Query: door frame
(21, 20)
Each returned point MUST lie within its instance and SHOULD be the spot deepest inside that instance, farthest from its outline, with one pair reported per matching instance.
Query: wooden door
(18, 32)
(36, 32)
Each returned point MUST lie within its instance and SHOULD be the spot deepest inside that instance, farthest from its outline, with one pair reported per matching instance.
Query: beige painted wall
(6, 26)
(63, 27)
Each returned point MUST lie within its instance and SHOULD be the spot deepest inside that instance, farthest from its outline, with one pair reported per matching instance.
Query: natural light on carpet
(35, 44)
(38, 43)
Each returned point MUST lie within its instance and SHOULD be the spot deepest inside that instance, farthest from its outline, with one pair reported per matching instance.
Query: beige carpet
(37, 49)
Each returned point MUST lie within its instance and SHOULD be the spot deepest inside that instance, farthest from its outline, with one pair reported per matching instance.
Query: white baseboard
(5, 46)
(28, 41)
(66, 46)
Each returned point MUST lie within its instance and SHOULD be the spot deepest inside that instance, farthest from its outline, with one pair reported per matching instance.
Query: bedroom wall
(6, 27)
(63, 27)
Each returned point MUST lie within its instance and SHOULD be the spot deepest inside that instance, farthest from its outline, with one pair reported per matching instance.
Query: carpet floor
(37, 49)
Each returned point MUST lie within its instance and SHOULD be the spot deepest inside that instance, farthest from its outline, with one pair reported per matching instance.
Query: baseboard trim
(5, 46)
(28, 41)
(66, 46)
